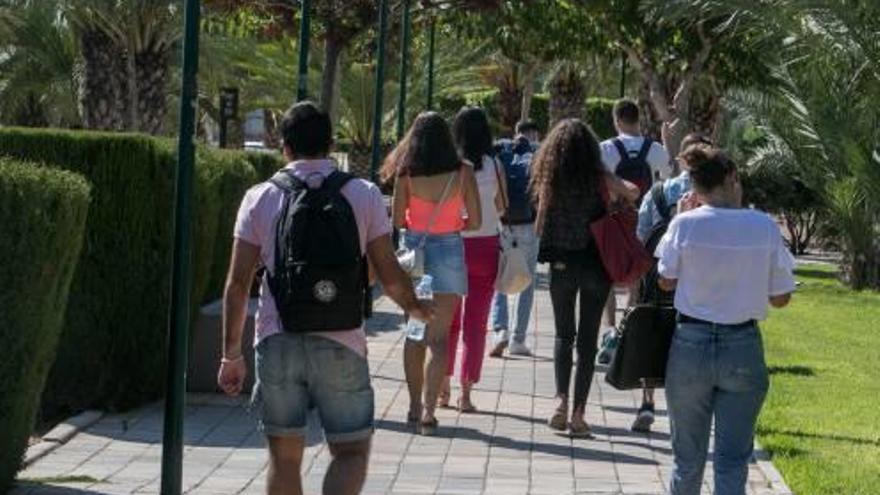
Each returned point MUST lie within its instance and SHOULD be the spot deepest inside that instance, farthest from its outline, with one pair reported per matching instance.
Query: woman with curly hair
(569, 184)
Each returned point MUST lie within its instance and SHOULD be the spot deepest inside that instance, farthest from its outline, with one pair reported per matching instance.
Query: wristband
(226, 360)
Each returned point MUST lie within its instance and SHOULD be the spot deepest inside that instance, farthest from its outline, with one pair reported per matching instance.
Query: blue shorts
(295, 372)
(444, 260)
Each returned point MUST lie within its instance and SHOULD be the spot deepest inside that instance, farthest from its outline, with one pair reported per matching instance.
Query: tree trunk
(509, 101)
(271, 139)
(567, 94)
(152, 88)
(332, 51)
(706, 109)
(651, 124)
(528, 92)
(100, 91)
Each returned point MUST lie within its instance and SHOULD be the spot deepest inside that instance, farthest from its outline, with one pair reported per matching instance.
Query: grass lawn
(821, 421)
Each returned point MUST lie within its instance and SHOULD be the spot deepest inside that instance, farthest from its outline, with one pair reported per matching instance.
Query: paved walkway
(506, 449)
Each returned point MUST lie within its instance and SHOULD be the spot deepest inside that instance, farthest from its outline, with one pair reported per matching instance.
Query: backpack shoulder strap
(286, 181)
(658, 194)
(621, 149)
(336, 181)
(645, 149)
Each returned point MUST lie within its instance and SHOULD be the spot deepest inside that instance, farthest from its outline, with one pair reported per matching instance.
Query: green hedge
(597, 111)
(112, 351)
(43, 214)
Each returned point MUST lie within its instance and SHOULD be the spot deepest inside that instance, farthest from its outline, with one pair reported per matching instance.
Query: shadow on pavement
(567, 451)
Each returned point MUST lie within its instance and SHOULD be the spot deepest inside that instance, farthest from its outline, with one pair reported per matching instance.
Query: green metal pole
(432, 34)
(178, 333)
(404, 69)
(305, 32)
(380, 82)
(622, 75)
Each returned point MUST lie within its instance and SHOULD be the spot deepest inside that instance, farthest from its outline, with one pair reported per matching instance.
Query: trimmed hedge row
(597, 111)
(253, 167)
(43, 215)
(113, 346)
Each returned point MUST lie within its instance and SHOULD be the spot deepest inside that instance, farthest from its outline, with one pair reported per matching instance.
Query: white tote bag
(514, 275)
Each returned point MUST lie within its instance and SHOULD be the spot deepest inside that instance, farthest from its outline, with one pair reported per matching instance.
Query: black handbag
(643, 349)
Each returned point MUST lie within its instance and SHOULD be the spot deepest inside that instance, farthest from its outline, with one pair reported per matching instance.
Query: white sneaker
(519, 349)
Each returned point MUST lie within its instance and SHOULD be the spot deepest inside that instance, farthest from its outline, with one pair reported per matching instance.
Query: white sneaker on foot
(519, 349)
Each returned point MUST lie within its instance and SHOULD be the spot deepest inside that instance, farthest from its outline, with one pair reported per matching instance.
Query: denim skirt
(444, 260)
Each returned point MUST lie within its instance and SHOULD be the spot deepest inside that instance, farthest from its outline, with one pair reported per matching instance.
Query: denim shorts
(295, 372)
(444, 260)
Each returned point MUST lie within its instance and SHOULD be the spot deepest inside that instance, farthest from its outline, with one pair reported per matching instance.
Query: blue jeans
(500, 320)
(444, 260)
(296, 372)
(714, 371)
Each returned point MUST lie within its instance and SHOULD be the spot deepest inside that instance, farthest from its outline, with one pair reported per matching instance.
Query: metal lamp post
(302, 89)
(432, 34)
(178, 334)
(378, 96)
(404, 69)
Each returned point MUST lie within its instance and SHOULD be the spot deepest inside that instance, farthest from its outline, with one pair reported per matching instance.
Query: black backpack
(634, 167)
(650, 290)
(319, 281)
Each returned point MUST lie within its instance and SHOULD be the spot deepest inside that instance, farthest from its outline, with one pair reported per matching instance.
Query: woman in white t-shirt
(725, 263)
(473, 138)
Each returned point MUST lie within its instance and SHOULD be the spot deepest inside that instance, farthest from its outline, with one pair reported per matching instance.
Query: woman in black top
(567, 181)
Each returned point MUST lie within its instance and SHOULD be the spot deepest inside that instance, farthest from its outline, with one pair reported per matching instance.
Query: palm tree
(567, 93)
(37, 80)
(126, 47)
(824, 112)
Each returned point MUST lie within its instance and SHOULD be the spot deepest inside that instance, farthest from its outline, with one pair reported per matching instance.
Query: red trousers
(472, 314)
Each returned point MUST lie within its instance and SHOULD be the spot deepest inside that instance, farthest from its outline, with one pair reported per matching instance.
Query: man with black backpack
(636, 159)
(519, 223)
(658, 208)
(314, 228)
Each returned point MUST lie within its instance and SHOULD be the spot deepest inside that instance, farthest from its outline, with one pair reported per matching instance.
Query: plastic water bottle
(415, 329)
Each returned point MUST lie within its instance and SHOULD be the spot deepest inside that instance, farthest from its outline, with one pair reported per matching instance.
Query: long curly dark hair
(427, 149)
(569, 160)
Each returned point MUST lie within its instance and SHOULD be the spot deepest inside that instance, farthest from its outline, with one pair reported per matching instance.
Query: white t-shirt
(728, 262)
(487, 183)
(658, 157)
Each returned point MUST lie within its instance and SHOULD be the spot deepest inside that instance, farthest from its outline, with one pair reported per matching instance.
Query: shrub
(265, 164)
(113, 346)
(43, 214)
(597, 113)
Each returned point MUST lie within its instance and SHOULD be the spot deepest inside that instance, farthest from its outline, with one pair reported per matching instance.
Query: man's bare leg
(285, 462)
(348, 469)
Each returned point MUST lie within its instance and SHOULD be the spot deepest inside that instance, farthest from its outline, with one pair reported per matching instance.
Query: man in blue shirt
(519, 222)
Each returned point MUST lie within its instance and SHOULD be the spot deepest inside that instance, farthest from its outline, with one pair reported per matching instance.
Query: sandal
(466, 407)
(443, 399)
(428, 428)
(579, 429)
(559, 420)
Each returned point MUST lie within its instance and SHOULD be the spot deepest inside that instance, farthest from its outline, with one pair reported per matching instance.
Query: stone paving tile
(505, 449)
